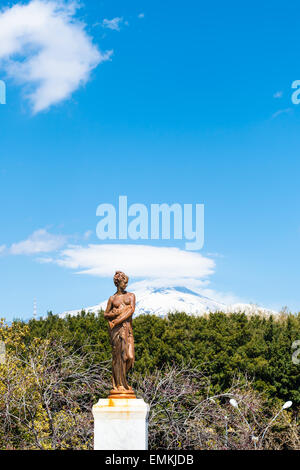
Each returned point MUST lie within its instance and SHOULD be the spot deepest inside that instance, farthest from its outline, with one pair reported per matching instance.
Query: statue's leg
(130, 355)
(116, 360)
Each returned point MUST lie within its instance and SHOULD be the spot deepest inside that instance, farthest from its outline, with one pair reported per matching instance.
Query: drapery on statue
(119, 311)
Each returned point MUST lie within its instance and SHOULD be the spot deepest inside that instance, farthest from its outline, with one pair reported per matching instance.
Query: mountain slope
(161, 301)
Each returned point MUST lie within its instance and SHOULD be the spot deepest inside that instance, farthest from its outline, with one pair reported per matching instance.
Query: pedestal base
(122, 393)
(121, 424)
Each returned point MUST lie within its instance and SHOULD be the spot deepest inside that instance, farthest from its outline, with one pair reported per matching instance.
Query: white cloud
(141, 15)
(155, 266)
(46, 49)
(199, 286)
(40, 241)
(113, 24)
(2, 248)
(227, 298)
(140, 261)
(278, 94)
(167, 282)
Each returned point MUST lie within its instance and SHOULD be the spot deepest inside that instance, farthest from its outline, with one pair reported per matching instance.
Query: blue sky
(192, 106)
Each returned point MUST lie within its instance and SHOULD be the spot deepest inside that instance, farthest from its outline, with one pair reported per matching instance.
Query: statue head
(121, 280)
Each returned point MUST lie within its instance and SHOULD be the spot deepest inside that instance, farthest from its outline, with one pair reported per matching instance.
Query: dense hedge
(224, 344)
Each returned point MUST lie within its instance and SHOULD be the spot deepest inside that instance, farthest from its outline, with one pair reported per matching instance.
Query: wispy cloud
(199, 286)
(114, 24)
(2, 249)
(215, 255)
(46, 49)
(141, 261)
(278, 94)
(141, 15)
(281, 111)
(88, 234)
(40, 241)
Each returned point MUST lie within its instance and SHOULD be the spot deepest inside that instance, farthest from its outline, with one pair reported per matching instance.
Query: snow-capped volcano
(162, 300)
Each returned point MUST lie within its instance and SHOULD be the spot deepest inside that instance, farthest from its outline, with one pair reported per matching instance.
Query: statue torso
(120, 302)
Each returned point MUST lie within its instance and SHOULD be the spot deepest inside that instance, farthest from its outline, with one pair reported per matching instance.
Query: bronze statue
(119, 311)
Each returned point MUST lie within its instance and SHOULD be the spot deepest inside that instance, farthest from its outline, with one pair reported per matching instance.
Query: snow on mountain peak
(160, 301)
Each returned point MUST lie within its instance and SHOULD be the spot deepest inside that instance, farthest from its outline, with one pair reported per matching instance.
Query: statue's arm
(107, 313)
(125, 315)
(128, 312)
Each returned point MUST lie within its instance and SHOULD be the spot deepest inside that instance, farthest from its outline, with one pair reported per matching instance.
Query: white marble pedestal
(121, 424)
